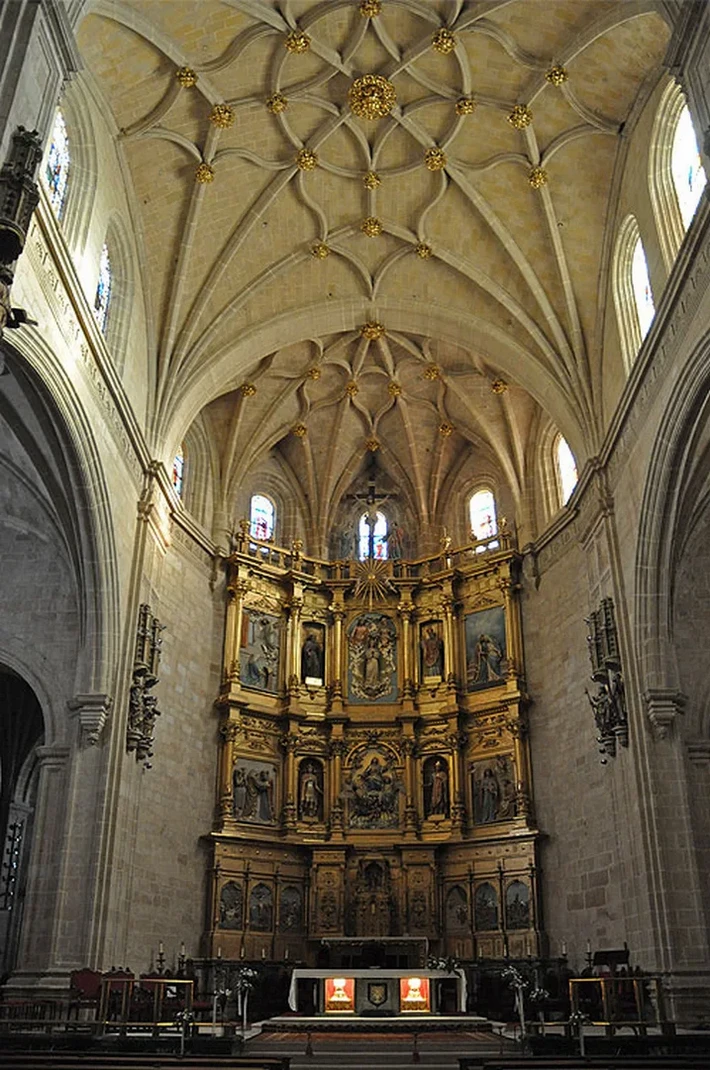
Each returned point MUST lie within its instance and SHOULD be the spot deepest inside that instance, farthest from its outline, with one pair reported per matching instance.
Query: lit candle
(160, 948)
(182, 949)
(263, 952)
(589, 947)
(241, 953)
(219, 952)
(286, 955)
(564, 948)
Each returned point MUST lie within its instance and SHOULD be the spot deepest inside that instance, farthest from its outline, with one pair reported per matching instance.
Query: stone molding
(662, 707)
(93, 712)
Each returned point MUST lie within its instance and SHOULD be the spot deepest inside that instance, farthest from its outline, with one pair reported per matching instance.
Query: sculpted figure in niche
(312, 657)
(395, 541)
(436, 788)
(493, 790)
(261, 909)
(231, 906)
(373, 790)
(485, 913)
(310, 795)
(517, 905)
(253, 786)
(372, 658)
(432, 646)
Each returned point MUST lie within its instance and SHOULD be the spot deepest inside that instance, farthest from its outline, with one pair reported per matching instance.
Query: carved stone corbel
(93, 711)
(662, 707)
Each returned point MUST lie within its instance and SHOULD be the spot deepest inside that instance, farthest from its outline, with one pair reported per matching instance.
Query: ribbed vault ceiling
(465, 236)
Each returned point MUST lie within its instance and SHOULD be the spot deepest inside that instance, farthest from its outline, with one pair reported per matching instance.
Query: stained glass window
(178, 471)
(689, 176)
(642, 289)
(103, 290)
(57, 166)
(566, 469)
(262, 516)
(482, 510)
(372, 538)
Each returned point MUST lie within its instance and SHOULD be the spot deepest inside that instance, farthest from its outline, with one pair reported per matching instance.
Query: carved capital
(409, 746)
(93, 711)
(290, 741)
(229, 731)
(662, 707)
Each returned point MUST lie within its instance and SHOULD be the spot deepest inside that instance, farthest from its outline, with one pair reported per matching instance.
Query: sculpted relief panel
(373, 788)
(372, 659)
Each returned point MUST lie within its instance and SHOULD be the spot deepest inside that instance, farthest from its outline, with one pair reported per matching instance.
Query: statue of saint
(432, 652)
(439, 790)
(311, 793)
(312, 658)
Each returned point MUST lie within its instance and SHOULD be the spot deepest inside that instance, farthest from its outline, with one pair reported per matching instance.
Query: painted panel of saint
(517, 905)
(493, 790)
(436, 787)
(485, 907)
(313, 654)
(456, 910)
(431, 645)
(261, 909)
(372, 788)
(486, 663)
(310, 790)
(254, 789)
(372, 659)
(231, 906)
(260, 649)
(291, 910)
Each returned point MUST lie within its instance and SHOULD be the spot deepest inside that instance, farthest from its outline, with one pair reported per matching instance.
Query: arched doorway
(21, 732)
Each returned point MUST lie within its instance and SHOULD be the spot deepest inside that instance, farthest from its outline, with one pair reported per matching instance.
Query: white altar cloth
(379, 973)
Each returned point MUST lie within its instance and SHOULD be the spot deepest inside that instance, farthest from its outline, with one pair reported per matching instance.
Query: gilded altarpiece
(374, 776)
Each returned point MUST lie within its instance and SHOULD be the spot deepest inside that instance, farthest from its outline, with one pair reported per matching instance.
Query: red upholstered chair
(84, 989)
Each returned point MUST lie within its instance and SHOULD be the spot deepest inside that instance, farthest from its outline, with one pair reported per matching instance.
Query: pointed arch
(631, 288)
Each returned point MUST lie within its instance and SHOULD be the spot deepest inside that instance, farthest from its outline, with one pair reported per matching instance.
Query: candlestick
(161, 948)
(241, 953)
(564, 949)
(219, 952)
(182, 949)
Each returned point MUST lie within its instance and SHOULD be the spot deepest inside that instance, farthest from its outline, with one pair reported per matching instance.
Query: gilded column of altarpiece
(374, 776)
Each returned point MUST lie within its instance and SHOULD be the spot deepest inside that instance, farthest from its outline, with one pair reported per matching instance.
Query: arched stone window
(262, 517)
(482, 515)
(566, 469)
(372, 538)
(57, 165)
(641, 284)
(102, 298)
(178, 471)
(676, 175)
(689, 176)
(633, 297)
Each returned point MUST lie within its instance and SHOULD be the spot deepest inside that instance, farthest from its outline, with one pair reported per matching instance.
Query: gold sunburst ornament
(371, 97)
(371, 580)
(186, 77)
(557, 75)
(222, 116)
(520, 117)
(276, 103)
(204, 174)
(297, 43)
(443, 41)
(435, 159)
(306, 160)
(537, 177)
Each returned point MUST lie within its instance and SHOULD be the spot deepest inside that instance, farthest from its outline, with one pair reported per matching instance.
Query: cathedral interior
(355, 480)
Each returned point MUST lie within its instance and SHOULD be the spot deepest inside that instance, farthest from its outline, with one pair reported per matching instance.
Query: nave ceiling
(264, 272)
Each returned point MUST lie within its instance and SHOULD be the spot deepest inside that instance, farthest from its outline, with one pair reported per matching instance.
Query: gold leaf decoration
(277, 103)
(446, 429)
(371, 226)
(371, 330)
(204, 174)
(371, 180)
(299, 430)
(557, 75)
(370, 9)
(435, 159)
(371, 580)
(306, 160)
(297, 42)
(394, 389)
(465, 106)
(423, 251)
(537, 177)
(371, 97)
(520, 117)
(320, 250)
(186, 77)
(443, 41)
(432, 372)
(372, 445)
(314, 373)
(351, 388)
(222, 116)
(499, 386)
(247, 390)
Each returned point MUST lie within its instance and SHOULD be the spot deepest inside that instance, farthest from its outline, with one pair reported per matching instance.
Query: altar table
(372, 991)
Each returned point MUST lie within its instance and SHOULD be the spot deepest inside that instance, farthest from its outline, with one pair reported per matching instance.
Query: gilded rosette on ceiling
(371, 97)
